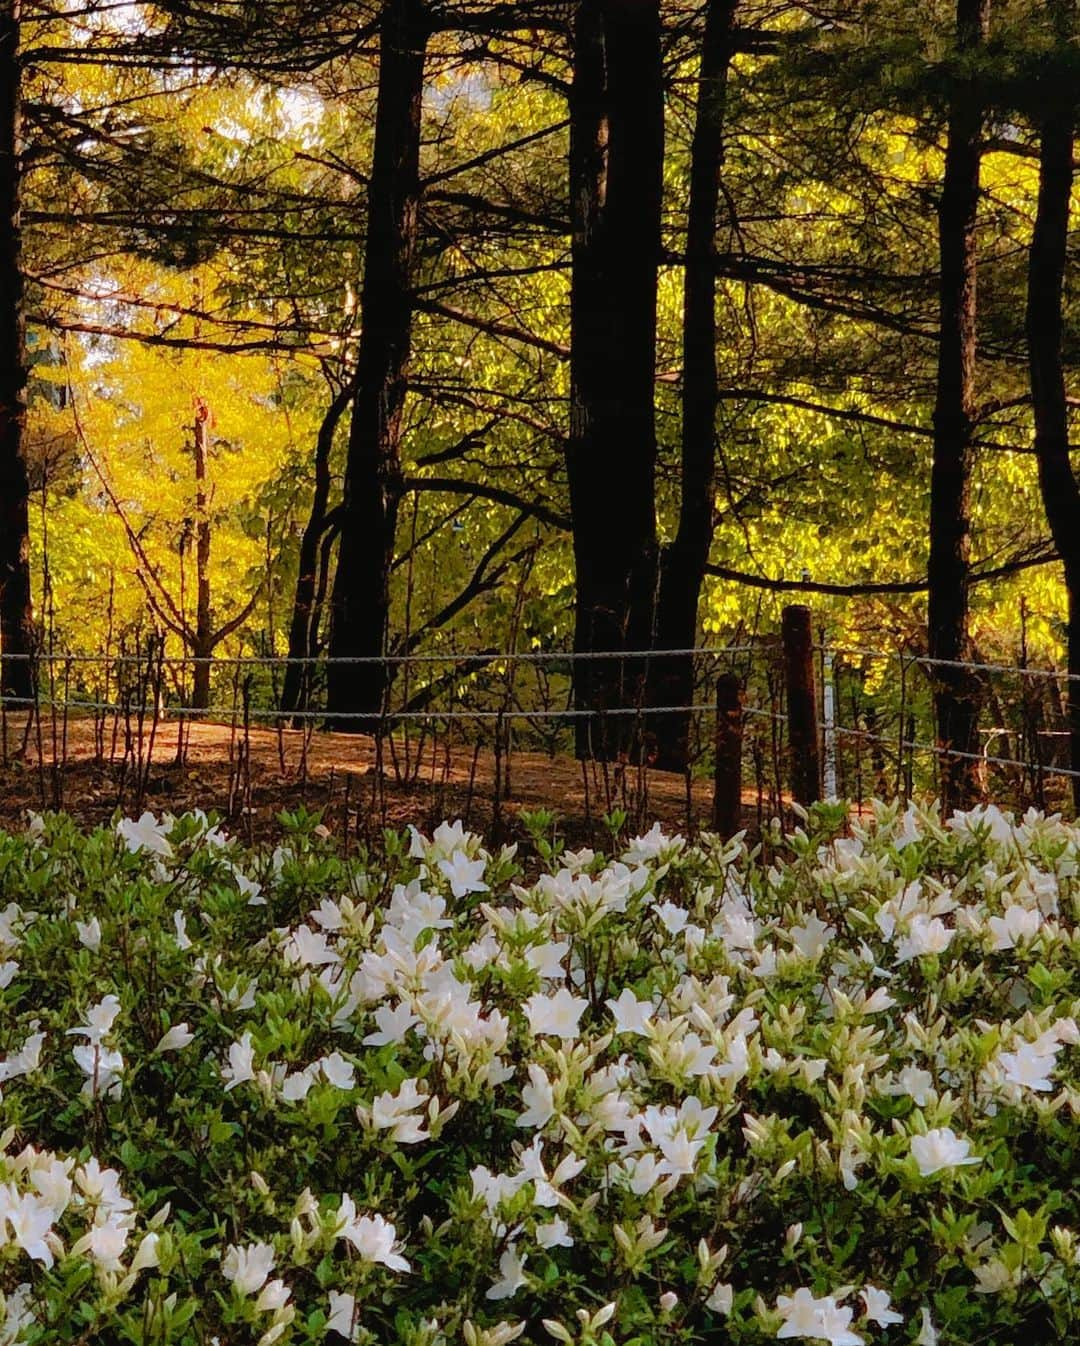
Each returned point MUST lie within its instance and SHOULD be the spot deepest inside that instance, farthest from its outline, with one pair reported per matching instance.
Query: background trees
(590, 324)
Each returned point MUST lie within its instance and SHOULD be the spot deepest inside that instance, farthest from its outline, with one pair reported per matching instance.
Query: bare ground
(91, 772)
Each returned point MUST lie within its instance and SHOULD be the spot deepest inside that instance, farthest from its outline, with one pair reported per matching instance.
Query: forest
(539, 673)
(345, 332)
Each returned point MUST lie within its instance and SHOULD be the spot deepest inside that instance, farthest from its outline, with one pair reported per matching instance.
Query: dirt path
(252, 780)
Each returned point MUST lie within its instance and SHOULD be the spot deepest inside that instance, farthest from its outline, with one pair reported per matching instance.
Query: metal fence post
(828, 709)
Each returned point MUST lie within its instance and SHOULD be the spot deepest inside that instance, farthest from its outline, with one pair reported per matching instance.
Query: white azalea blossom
(344, 1316)
(555, 1065)
(373, 1237)
(240, 1068)
(146, 834)
(941, 1148)
(877, 1307)
(821, 1319)
(512, 1275)
(631, 1015)
(248, 1266)
(175, 1039)
(557, 1015)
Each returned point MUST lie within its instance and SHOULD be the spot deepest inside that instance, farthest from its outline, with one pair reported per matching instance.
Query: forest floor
(250, 780)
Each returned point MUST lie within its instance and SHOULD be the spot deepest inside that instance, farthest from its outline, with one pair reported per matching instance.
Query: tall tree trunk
(203, 644)
(16, 611)
(956, 694)
(683, 561)
(297, 686)
(373, 478)
(616, 180)
(1046, 273)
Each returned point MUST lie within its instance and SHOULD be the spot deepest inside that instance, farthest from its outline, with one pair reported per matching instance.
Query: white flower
(928, 1332)
(146, 835)
(877, 1307)
(273, 1296)
(643, 1172)
(18, 1315)
(99, 1019)
(557, 1015)
(178, 1037)
(105, 1244)
(147, 1254)
(464, 875)
(50, 1179)
(631, 1015)
(371, 1235)
(101, 1186)
(917, 1084)
(835, 1326)
(555, 1234)
(926, 934)
(908, 829)
(338, 1072)
(1017, 925)
(344, 1319)
(180, 926)
(249, 889)
(511, 1275)
(309, 948)
(878, 1002)
(26, 1059)
(89, 933)
(12, 921)
(29, 1221)
(721, 1299)
(1028, 1068)
(651, 846)
(241, 1067)
(939, 1149)
(547, 959)
(984, 818)
(672, 917)
(102, 1069)
(296, 1087)
(448, 837)
(392, 1025)
(820, 1319)
(248, 1267)
(397, 1113)
(993, 1277)
(539, 1099)
(801, 1313)
(813, 937)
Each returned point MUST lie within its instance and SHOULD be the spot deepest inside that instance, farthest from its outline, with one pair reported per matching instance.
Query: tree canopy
(604, 325)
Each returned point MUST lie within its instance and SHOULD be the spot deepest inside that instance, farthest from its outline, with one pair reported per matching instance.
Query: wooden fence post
(727, 786)
(803, 742)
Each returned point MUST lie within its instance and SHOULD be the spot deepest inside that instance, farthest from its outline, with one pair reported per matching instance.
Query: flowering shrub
(822, 1092)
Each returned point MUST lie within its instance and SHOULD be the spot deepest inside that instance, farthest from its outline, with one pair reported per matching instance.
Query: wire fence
(493, 731)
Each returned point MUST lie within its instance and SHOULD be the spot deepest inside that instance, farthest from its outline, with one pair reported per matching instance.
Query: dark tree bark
(1046, 275)
(202, 645)
(373, 479)
(297, 686)
(956, 693)
(16, 610)
(683, 561)
(616, 171)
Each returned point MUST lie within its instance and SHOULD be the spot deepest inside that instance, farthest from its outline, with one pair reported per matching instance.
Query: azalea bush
(823, 1089)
